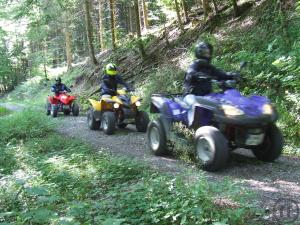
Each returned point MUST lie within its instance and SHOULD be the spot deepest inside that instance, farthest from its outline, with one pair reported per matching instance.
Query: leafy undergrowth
(4, 111)
(46, 178)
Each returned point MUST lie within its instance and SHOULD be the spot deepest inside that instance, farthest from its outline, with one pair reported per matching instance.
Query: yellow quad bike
(117, 111)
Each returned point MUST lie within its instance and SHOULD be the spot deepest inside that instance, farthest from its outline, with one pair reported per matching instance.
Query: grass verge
(46, 178)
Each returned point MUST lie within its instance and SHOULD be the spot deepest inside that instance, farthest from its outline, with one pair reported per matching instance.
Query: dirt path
(271, 181)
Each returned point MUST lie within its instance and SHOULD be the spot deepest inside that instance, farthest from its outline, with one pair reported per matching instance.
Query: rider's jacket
(60, 87)
(198, 78)
(109, 84)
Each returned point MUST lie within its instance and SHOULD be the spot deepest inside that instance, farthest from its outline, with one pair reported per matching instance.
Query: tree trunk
(138, 28)
(145, 15)
(45, 58)
(206, 7)
(235, 8)
(185, 11)
(166, 35)
(216, 7)
(89, 31)
(68, 37)
(178, 15)
(130, 20)
(112, 23)
(101, 27)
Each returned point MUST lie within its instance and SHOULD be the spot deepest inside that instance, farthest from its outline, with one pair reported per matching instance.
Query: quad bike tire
(54, 111)
(122, 125)
(272, 145)
(157, 138)
(108, 123)
(211, 150)
(75, 109)
(141, 121)
(48, 108)
(92, 122)
(67, 112)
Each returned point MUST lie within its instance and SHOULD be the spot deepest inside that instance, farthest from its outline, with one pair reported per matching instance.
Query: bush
(23, 126)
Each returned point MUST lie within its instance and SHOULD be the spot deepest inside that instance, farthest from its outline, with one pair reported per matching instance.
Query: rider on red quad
(198, 78)
(110, 81)
(59, 86)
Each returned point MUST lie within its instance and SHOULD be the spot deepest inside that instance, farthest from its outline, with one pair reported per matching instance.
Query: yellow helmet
(111, 69)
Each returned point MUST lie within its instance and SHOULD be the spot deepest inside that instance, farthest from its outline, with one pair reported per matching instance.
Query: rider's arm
(67, 89)
(191, 74)
(104, 87)
(122, 82)
(53, 88)
(221, 75)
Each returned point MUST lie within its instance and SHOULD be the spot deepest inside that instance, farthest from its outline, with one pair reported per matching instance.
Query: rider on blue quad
(198, 78)
(59, 86)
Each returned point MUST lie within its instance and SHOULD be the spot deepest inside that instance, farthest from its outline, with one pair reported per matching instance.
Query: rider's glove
(234, 75)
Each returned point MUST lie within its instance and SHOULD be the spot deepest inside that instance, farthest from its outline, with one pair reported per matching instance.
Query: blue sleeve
(221, 75)
(122, 82)
(66, 88)
(53, 88)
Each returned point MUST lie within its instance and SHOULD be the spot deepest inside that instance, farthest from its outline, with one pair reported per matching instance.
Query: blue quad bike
(222, 122)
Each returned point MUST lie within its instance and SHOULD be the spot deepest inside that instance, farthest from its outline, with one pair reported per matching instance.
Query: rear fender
(157, 103)
(134, 99)
(117, 100)
(96, 104)
(53, 100)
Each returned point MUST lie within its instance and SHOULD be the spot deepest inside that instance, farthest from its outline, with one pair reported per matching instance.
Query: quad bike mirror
(243, 64)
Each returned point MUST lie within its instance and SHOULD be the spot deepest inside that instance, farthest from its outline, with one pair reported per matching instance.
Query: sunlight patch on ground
(55, 72)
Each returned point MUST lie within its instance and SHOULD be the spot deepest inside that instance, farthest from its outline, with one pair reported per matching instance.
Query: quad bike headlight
(138, 103)
(267, 109)
(230, 110)
(116, 105)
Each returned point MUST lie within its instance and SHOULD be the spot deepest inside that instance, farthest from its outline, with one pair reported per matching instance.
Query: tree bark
(145, 15)
(112, 23)
(130, 20)
(101, 27)
(216, 7)
(185, 11)
(138, 28)
(178, 16)
(89, 32)
(68, 37)
(206, 7)
(235, 8)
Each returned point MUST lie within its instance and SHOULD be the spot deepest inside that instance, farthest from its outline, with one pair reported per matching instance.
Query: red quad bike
(62, 102)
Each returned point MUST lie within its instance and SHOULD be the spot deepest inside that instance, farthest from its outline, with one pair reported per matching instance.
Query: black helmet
(58, 80)
(204, 51)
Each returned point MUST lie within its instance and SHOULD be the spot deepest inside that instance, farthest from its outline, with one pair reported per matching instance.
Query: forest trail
(270, 181)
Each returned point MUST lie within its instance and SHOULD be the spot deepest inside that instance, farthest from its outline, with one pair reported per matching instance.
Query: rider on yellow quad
(116, 107)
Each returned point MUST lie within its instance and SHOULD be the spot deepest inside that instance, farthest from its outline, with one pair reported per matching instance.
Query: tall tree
(235, 8)
(185, 11)
(177, 8)
(112, 23)
(68, 38)
(101, 27)
(89, 31)
(138, 28)
(145, 14)
(206, 7)
(216, 7)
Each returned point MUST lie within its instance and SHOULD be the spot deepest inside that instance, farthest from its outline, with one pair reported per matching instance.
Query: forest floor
(269, 182)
